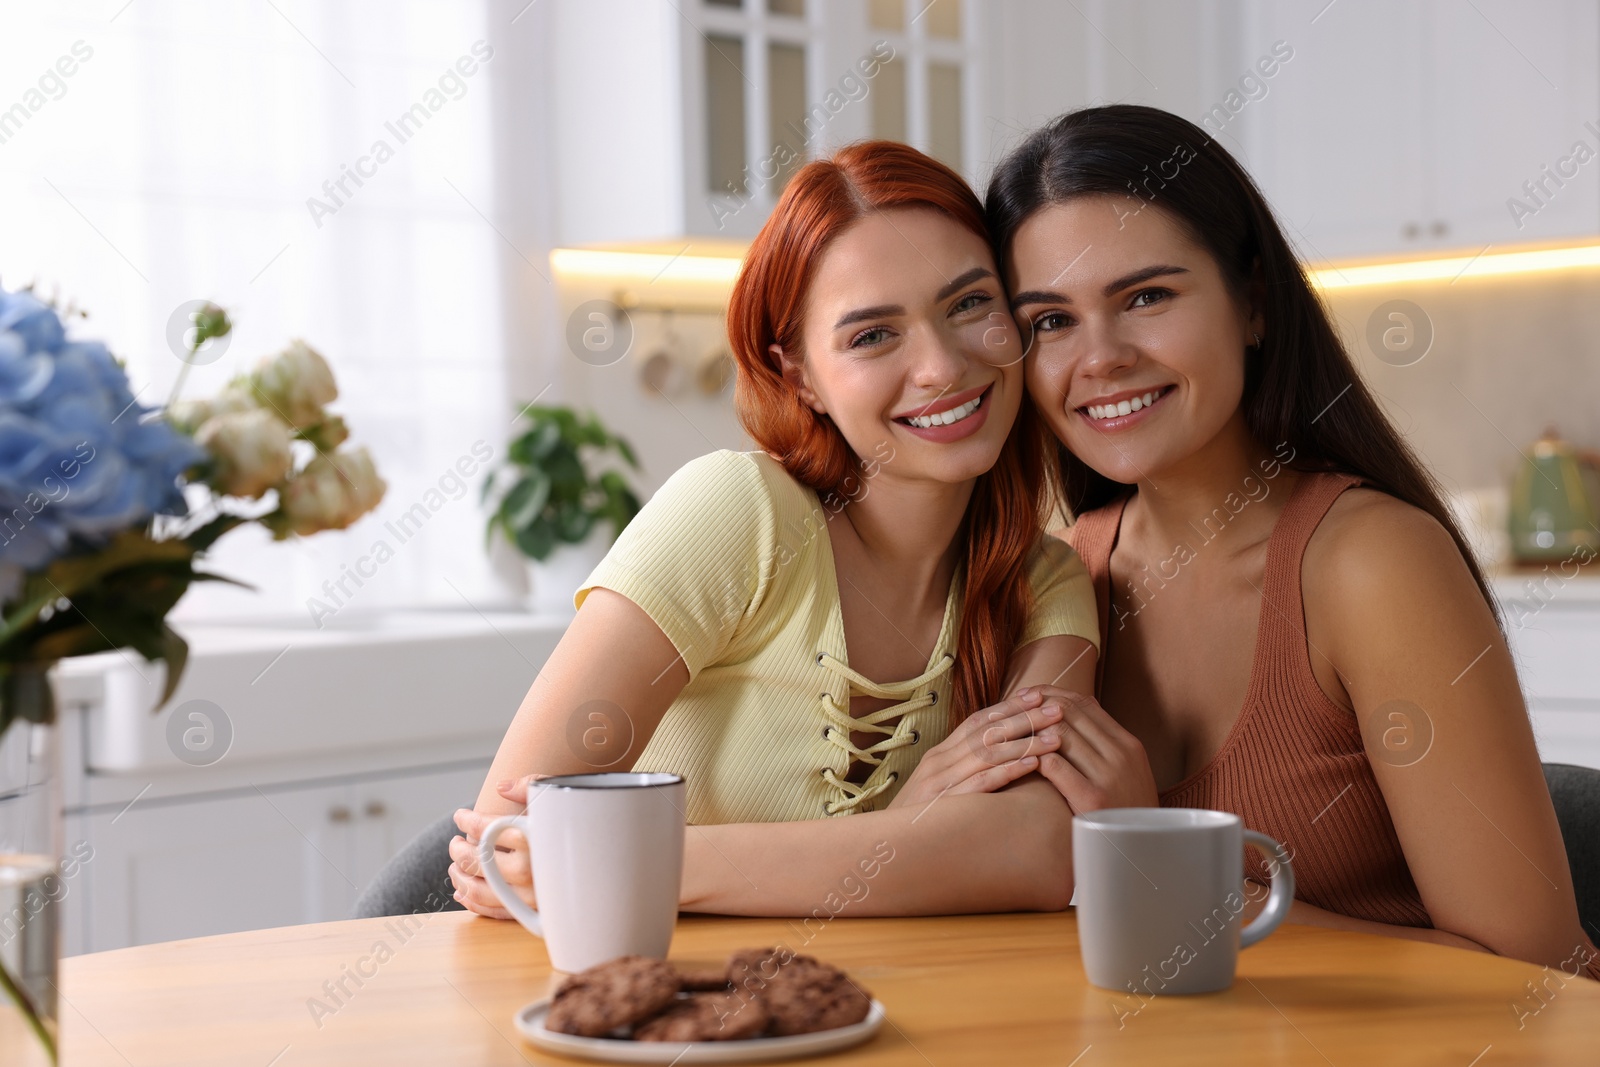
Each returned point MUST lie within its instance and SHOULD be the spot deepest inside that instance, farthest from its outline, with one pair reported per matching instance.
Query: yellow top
(731, 558)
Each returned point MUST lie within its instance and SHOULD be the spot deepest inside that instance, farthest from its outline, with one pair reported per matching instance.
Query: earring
(1257, 336)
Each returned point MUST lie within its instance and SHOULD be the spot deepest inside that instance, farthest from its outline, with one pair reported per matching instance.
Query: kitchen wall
(669, 427)
(1510, 356)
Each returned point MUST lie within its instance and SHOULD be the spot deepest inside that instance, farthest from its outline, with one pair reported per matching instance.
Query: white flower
(295, 383)
(188, 416)
(331, 493)
(252, 450)
(329, 434)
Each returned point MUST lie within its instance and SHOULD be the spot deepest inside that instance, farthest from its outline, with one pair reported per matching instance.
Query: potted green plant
(554, 497)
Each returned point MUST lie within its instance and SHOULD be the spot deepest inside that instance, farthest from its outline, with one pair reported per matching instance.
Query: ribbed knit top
(1293, 766)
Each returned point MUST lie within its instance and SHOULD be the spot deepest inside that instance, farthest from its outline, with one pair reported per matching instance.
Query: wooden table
(981, 990)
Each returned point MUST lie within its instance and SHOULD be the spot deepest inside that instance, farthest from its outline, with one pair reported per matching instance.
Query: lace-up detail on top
(897, 735)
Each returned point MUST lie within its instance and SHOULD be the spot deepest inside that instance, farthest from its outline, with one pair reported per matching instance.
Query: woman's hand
(1097, 764)
(511, 856)
(990, 749)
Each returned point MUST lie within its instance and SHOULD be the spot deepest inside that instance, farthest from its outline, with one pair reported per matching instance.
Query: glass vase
(30, 849)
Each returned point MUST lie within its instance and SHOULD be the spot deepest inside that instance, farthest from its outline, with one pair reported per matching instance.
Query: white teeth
(945, 418)
(1123, 407)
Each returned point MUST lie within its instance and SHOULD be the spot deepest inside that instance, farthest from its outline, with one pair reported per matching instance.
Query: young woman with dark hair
(1292, 625)
(805, 632)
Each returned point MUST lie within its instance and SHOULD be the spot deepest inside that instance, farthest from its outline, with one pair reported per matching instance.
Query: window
(725, 100)
(206, 151)
(922, 96)
(755, 106)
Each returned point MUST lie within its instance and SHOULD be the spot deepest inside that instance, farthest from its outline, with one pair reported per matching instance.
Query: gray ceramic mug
(1160, 895)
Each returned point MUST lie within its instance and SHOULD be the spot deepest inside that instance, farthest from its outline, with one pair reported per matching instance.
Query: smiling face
(909, 347)
(1137, 354)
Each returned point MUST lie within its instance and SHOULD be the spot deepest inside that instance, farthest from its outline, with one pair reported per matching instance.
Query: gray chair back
(417, 879)
(1575, 792)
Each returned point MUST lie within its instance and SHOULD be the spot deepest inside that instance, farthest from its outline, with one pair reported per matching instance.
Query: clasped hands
(1067, 737)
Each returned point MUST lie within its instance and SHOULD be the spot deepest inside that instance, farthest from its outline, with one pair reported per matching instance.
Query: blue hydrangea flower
(80, 458)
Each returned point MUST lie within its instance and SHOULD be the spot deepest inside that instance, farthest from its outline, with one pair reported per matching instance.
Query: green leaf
(207, 576)
(207, 535)
(526, 500)
(566, 473)
(559, 491)
(175, 650)
(627, 452)
(529, 449)
(574, 523)
(590, 432)
(546, 439)
(536, 541)
(567, 421)
(71, 574)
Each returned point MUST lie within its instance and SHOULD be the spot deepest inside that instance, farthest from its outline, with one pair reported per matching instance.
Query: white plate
(530, 1021)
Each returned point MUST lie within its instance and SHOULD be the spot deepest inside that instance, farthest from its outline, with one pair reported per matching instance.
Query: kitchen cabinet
(1516, 96)
(339, 750)
(1405, 128)
(1553, 626)
(251, 858)
(682, 119)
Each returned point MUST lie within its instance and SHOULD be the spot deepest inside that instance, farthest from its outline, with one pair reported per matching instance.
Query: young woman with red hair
(805, 632)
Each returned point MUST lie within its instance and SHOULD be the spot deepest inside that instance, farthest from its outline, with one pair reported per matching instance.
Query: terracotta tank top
(1293, 766)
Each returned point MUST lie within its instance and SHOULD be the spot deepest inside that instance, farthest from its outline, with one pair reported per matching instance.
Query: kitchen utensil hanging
(664, 370)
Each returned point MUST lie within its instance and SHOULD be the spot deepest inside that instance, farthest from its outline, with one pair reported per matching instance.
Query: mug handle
(491, 873)
(1278, 901)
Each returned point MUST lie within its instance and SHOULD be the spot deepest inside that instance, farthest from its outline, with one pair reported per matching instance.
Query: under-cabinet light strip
(1485, 264)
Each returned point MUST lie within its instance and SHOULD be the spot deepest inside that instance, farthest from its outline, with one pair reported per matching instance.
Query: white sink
(359, 682)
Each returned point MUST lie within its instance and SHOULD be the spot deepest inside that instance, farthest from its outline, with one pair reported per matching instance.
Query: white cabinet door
(1411, 127)
(1553, 645)
(214, 865)
(1515, 97)
(391, 811)
(1341, 140)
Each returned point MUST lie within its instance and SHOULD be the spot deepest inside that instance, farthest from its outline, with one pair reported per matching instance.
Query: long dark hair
(1300, 386)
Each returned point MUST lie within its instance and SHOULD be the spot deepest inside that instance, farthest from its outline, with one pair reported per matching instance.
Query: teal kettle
(1555, 503)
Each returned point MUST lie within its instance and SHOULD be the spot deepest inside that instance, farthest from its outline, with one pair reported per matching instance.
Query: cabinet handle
(1410, 231)
(376, 809)
(339, 813)
(1440, 228)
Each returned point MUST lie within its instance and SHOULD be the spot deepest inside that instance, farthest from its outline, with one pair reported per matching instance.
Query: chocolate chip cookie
(704, 979)
(705, 1017)
(619, 992)
(801, 994)
(751, 968)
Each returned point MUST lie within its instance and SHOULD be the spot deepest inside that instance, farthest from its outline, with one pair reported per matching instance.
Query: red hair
(821, 201)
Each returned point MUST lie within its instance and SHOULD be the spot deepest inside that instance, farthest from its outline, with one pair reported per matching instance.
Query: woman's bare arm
(595, 703)
(948, 856)
(1391, 604)
(969, 852)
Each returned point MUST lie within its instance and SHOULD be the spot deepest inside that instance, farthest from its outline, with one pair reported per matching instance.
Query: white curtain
(158, 152)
